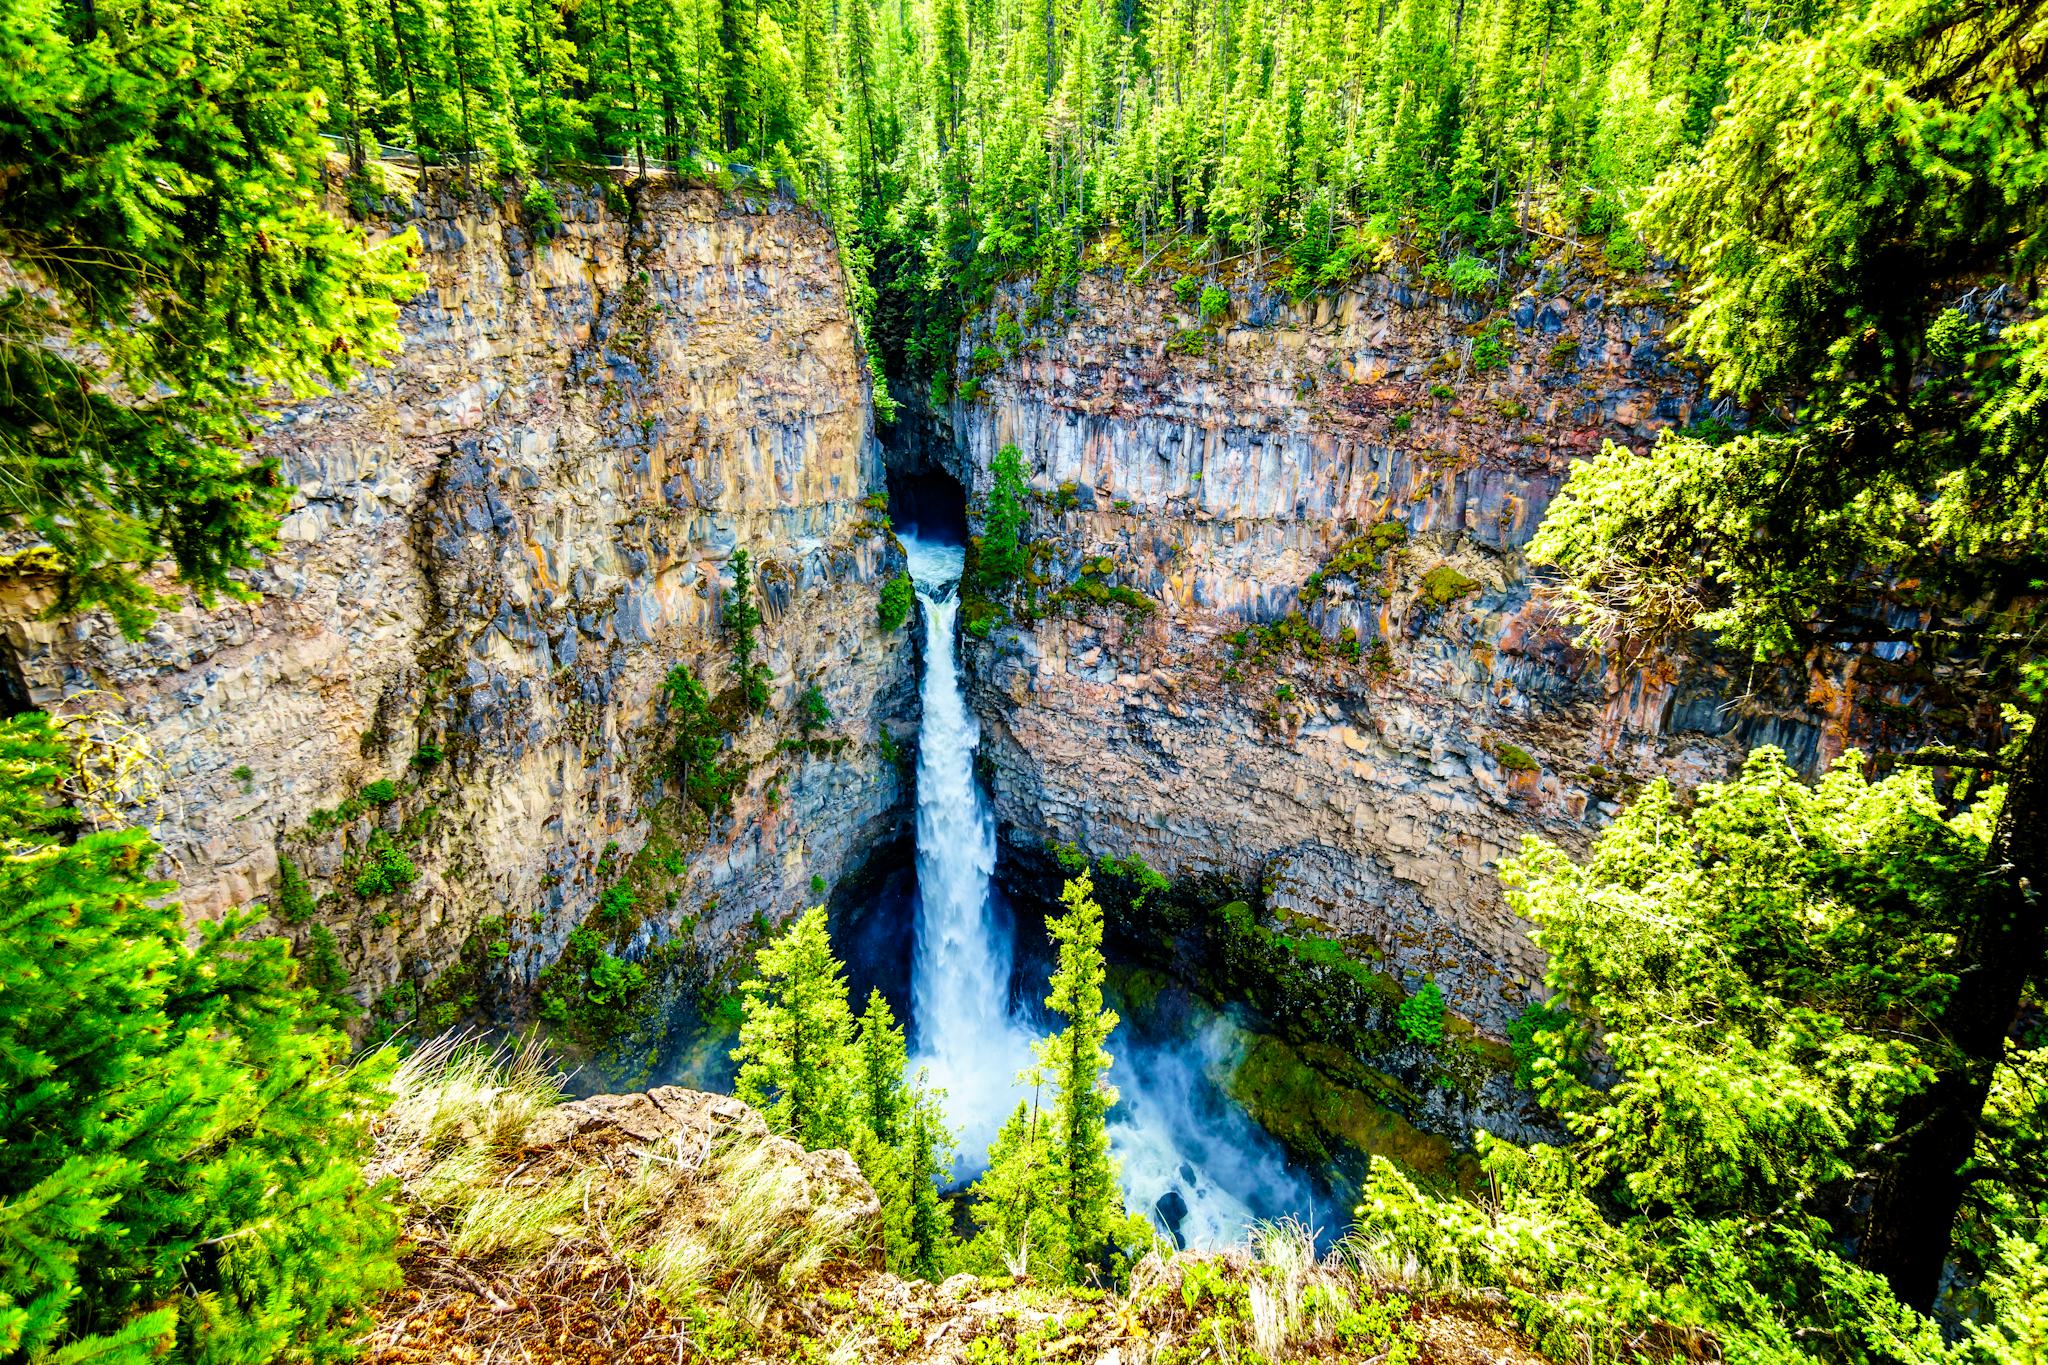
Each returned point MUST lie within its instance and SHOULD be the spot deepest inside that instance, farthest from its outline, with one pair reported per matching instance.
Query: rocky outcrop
(498, 548)
(1372, 465)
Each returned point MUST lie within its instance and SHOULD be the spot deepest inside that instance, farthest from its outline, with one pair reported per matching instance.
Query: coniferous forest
(1788, 1042)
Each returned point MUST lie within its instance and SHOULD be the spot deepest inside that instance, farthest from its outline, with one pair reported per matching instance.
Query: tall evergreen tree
(1076, 1061)
(796, 1035)
(882, 1099)
(1049, 1198)
(1839, 229)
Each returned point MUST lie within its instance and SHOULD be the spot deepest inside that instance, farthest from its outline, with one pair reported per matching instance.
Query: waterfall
(1183, 1145)
(960, 966)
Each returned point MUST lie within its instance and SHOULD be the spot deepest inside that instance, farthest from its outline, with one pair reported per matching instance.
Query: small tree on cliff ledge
(743, 621)
(1002, 525)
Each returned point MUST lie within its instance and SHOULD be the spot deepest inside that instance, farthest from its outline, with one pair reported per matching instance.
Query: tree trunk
(1913, 1208)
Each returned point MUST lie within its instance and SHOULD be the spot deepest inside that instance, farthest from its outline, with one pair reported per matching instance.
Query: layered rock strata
(1372, 466)
(497, 549)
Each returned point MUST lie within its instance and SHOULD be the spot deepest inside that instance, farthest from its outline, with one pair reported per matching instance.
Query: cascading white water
(1213, 1161)
(960, 968)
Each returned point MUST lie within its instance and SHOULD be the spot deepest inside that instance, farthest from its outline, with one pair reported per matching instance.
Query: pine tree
(882, 1100)
(928, 1165)
(1075, 1061)
(742, 622)
(1049, 1197)
(796, 1037)
(1002, 523)
(1898, 476)
(180, 1144)
(1015, 1209)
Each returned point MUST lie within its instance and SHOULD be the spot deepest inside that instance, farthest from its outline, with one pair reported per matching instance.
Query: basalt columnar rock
(1354, 478)
(497, 550)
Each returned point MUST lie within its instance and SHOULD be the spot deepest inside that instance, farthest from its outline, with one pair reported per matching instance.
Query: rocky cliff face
(498, 549)
(1371, 466)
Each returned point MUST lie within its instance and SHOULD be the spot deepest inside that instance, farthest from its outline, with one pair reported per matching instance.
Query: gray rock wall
(498, 547)
(1218, 470)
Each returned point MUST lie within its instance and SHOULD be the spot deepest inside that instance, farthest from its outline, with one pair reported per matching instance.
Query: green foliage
(1492, 349)
(932, 1247)
(1421, 1016)
(812, 711)
(589, 995)
(428, 756)
(616, 906)
(742, 622)
(382, 792)
(1050, 1189)
(1760, 972)
(1742, 961)
(880, 1096)
(795, 1036)
(293, 902)
(892, 752)
(1215, 305)
(1002, 518)
(899, 599)
(1444, 585)
(181, 1145)
(1836, 150)
(1186, 290)
(1514, 758)
(695, 752)
(1525, 1038)
(543, 215)
(323, 972)
(1470, 275)
(1863, 191)
(1584, 1286)
(827, 1080)
(1291, 635)
(1356, 556)
(1144, 878)
(172, 265)
(384, 868)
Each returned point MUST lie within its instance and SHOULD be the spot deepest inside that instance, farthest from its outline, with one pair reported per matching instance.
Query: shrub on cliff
(1421, 1016)
(899, 595)
(543, 215)
(698, 743)
(180, 1146)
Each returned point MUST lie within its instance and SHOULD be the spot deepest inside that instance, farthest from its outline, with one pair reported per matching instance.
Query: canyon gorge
(1278, 643)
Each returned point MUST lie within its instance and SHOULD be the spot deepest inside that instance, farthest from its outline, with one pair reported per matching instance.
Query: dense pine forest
(1790, 1038)
(958, 141)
